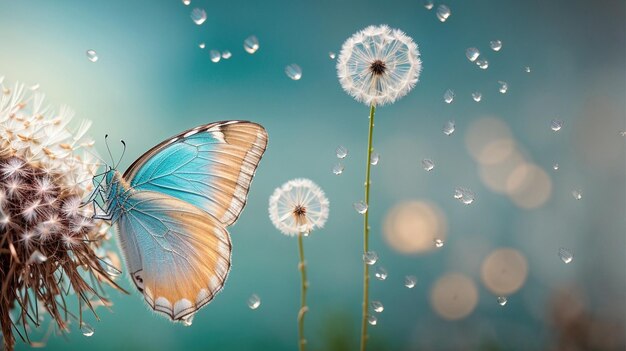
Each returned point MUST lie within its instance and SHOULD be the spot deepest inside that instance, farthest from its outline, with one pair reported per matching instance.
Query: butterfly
(172, 206)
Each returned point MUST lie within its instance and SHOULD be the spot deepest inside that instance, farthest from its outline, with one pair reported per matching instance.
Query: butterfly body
(172, 207)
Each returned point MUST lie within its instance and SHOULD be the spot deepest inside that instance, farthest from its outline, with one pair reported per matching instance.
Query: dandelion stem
(366, 231)
(303, 289)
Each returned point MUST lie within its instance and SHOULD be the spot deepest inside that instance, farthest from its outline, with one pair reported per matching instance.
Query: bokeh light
(504, 271)
(412, 227)
(454, 296)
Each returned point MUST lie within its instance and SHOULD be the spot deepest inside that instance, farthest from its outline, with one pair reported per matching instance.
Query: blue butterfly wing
(210, 167)
(178, 255)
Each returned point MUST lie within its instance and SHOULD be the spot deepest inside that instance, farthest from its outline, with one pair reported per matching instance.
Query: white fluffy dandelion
(378, 65)
(298, 206)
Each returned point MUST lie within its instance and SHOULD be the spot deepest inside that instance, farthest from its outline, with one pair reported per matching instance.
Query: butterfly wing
(210, 166)
(178, 255)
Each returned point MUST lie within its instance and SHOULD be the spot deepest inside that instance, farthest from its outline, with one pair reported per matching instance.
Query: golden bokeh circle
(504, 271)
(454, 296)
(529, 186)
(411, 227)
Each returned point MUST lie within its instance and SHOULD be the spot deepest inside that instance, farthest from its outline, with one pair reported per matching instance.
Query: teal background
(152, 81)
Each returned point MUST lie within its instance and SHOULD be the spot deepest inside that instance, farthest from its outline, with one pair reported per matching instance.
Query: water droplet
(186, 2)
(338, 168)
(566, 255)
(448, 128)
(448, 96)
(374, 158)
(226, 54)
(372, 320)
(504, 86)
(577, 194)
(370, 257)
(438, 243)
(380, 273)
(428, 4)
(556, 125)
(251, 44)
(482, 63)
(341, 151)
(360, 207)
(410, 281)
(215, 56)
(37, 257)
(188, 320)
(332, 55)
(377, 306)
(464, 195)
(622, 133)
(555, 166)
(86, 329)
(198, 16)
(202, 45)
(254, 301)
(293, 71)
(495, 45)
(472, 54)
(92, 55)
(477, 96)
(443, 12)
(527, 69)
(502, 300)
(428, 164)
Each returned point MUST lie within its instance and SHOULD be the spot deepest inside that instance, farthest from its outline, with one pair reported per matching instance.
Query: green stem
(366, 232)
(304, 285)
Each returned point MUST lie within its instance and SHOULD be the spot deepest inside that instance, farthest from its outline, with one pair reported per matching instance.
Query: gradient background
(152, 80)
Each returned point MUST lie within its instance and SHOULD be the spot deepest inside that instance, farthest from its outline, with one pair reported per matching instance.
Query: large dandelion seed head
(49, 242)
(298, 207)
(378, 65)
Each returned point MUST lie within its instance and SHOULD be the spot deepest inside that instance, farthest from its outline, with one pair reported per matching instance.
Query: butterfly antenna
(123, 152)
(106, 142)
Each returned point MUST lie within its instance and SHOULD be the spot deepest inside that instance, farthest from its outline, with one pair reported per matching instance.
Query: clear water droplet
(443, 12)
(477, 96)
(188, 320)
(448, 96)
(374, 158)
(92, 55)
(448, 128)
(186, 2)
(556, 125)
(370, 257)
(293, 71)
(215, 56)
(341, 151)
(566, 255)
(372, 320)
(360, 207)
(428, 4)
(410, 281)
(37, 257)
(254, 301)
(502, 300)
(202, 45)
(251, 44)
(226, 54)
(465, 196)
(439, 243)
(198, 16)
(495, 45)
(332, 55)
(428, 164)
(472, 54)
(577, 194)
(482, 63)
(504, 87)
(527, 69)
(338, 168)
(86, 329)
(377, 306)
(380, 273)
(555, 166)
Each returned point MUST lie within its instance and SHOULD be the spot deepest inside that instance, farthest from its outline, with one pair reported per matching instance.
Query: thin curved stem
(303, 288)
(366, 232)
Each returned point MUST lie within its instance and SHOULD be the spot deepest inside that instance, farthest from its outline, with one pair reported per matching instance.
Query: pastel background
(152, 80)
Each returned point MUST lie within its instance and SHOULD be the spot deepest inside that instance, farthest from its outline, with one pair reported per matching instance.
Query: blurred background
(536, 191)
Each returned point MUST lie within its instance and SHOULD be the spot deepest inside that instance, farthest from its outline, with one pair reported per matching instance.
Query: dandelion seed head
(298, 206)
(378, 65)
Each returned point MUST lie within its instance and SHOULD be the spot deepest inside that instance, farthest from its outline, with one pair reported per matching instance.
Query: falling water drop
(226, 54)
(251, 44)
(565, 255)
(374, 158)
(443, 12)
(428, 4)
(293, 71)
(556, 125)
(377, 306)
(504, 86)
(92, 55)
(428, 164)
(360, 207)
(186, 2)
(410, 281)
(527, 69)
(438, 243)
(341, 151)
(502, 300)
(198, 16)
(477, 96)
(338, 168)
(448, 96)
(215, 56)
(372, 320)
(86, 329)
(577, 194)
(202, 45)
(472, 54)
(380, 273)
(370, 257)
(555, 166)
(482, 63)
(254, 301)
(464, 195)
(448, 128)
(332, 55)
(495, 45)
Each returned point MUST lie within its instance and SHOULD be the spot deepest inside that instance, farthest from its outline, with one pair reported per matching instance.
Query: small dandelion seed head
(298, 206)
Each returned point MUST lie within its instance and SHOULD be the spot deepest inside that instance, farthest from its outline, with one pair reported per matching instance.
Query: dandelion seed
(298, 206)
